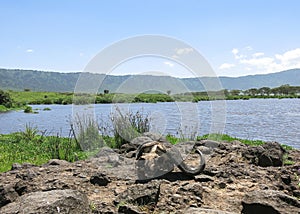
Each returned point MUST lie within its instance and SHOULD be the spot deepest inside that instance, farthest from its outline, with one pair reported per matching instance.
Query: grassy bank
(31, 147)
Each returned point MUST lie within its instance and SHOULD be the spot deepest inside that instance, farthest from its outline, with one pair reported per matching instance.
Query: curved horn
(193, 170)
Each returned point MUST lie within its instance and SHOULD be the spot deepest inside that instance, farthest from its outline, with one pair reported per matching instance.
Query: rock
(140, 194)
(208, 143)
(268, 154)
(17, 166)
(205, 211)
(99, 179)
(222, 185)
(269, 201)
(56, 162)
(296, 193)
(21, 187)
(7, 195)
(129, 209)
(233, 166)
(128, 147)
(107, 156)
(55, 201)
(272, 156)
(203, 178)
(130, 154)
(27, 175)
(286, 179)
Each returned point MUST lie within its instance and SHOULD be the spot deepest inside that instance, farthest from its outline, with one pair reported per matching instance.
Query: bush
(28, 109)
(5, 99)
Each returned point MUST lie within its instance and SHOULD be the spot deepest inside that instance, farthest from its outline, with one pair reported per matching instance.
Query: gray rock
(140, 194)
(269, 201)
(55, 201)
(129, 209)
(17, 166)
(57, 162)
(99, 179)
(205, 211)
(203, 178)
(208, 143)
(272, 156)
(7, 195)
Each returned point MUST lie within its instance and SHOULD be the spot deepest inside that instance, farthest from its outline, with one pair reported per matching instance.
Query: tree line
(283, 90)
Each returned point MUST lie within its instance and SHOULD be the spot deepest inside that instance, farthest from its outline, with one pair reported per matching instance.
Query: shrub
(5, 99)
(28, 109)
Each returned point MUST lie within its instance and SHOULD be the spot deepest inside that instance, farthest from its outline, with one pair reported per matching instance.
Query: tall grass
(128, 126)
(86, 133)
(36, 148)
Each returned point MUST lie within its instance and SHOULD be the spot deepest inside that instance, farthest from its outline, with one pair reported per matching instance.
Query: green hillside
(11, 79)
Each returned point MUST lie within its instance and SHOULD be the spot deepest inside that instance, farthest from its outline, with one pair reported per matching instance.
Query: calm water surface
(264, 119)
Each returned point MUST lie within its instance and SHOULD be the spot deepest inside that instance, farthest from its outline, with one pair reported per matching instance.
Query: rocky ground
(237, 179)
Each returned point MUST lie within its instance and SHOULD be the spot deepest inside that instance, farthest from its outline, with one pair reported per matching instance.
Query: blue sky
(236, 37)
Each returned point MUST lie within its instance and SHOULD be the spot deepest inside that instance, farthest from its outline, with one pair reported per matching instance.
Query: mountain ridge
(18, 79)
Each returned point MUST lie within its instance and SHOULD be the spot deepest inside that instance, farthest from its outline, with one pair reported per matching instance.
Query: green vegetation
(28, 109)
(36, 148)
(225, 137)
(128, 126)
(20, 99)
(30, 146)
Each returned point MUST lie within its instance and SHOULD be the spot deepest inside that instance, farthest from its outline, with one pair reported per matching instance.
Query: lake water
(264, 119)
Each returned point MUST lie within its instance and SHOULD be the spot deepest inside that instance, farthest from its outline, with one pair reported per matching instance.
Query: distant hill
(66, 82)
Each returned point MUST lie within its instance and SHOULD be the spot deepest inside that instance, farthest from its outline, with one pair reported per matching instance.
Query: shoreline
(243, 178)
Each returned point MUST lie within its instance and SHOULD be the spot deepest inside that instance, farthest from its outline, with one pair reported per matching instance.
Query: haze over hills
(11, 79)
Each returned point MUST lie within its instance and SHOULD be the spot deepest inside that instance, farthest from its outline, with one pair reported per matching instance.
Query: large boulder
(272, 156)
(269, 202)
(268, 154)
(55, 201)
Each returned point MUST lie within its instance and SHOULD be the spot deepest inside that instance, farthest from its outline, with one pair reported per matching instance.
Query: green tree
(264, 91)
(235, 92)
(252, 91)
(5, 99)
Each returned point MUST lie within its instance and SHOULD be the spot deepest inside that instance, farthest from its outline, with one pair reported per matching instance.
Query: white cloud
(252, 62)
(226, 66)
(182, 51)
(265, 64)
(169, 63)
(235, 51)
(289, 57)
(236, 54)
(258, 54)
(29, 51)
(258, 62)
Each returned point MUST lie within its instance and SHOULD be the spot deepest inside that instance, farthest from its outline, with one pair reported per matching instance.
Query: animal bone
(157, 158)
